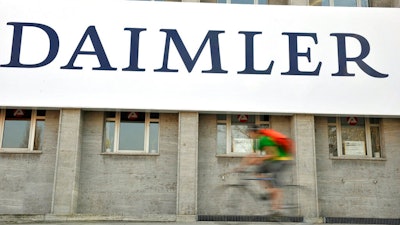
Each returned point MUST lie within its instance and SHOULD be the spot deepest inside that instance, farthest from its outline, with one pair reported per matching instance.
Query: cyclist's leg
(267, 177)
(274, 167)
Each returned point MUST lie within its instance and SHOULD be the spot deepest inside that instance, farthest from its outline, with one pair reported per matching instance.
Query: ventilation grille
(238, 218)
(361, 220)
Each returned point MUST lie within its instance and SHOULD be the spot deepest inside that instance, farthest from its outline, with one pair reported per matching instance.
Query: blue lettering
(133, 66)
(343, 59)
(98, 51)
(211, 36)
(16, 45)
(294, 55)
(249, 46)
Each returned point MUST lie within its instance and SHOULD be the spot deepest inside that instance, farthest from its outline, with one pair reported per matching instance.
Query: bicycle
(240, 184)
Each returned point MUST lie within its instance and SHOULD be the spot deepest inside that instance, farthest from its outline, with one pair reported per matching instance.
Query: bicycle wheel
(241, 196)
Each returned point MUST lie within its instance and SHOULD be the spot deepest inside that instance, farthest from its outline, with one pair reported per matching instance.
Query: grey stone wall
(305, 166)
(128, 185)
(145, 186)
(26, 180)
(67, 167)
(186, 207)
(359, 188)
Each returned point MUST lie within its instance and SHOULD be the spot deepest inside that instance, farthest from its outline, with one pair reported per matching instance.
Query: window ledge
(130, 153)
(231, 155)
(4, 151)
(356, 158)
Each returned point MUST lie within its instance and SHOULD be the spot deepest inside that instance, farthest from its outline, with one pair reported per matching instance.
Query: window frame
(255, 2)
(368, 139)
(228, 134)
(32, 132)
(146, 140)
(359, 3)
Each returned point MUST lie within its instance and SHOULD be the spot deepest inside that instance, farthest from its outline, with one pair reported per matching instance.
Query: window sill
(356, 158)
(231, 155)
(6, 151)
(130, 153)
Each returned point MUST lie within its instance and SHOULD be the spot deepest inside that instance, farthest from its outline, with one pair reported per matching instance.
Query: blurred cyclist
(270, 160)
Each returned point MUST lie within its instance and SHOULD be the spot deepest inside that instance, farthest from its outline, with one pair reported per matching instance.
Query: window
(21, 129)
(131, 132)
(384, 3)
(348, 3)
(160, 0)
(232, 132)
(354, 136)
(261, 2)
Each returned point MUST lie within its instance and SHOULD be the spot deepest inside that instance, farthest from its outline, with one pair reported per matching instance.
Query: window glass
(375, 142)
(354, 136)
(132, 117)
(314, 2)
(264, 118)
(39, 134)
(41, 113)
(261, 2)
(241, 143)
(243, 119)
(221, 138)
(110, 114)
(131, 132)
(278, 2)
(381, 3)
(221, 117)
(131, 135)
(364, 3)
(153, 146)
(22, 129)
(232, 134)
(16, 133)
(331, 119)
(109, 136)
(154, 115)
(323, 2)
(332, 140)
(348, 3)
(16, 128)
(242, 1)
(374, 121)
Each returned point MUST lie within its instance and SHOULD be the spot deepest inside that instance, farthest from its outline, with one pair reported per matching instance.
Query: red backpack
(279, 138)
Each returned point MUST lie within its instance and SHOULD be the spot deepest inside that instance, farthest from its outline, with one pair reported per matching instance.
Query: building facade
(92, 156)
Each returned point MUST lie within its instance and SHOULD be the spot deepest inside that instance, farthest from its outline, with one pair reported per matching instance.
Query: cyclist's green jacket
(265, 141)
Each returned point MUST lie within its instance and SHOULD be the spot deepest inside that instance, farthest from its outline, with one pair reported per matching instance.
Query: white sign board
(242, 145)
(167, 56)
(354, 147)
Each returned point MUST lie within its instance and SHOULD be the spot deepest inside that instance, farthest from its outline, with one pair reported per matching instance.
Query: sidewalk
(156, 220)
(167, 223)
(96, 220)
(170, 223)
(155, 223)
